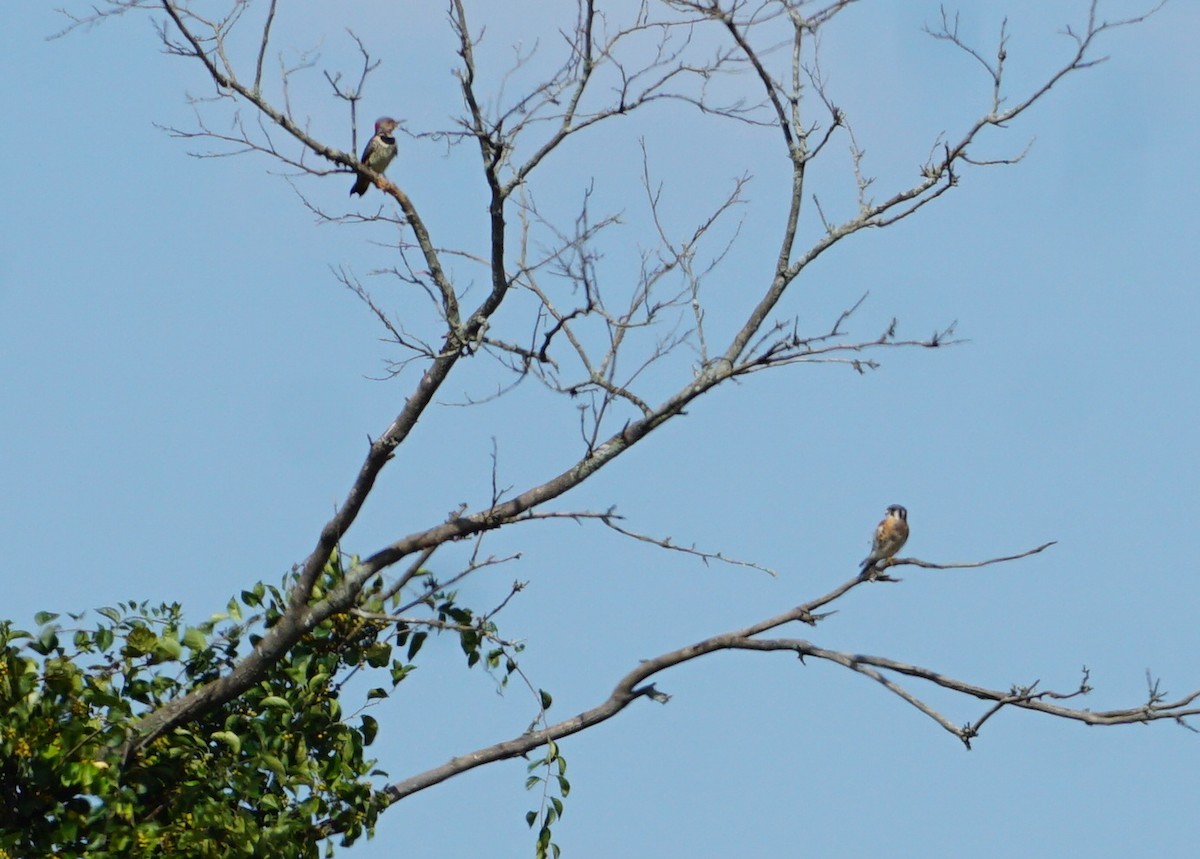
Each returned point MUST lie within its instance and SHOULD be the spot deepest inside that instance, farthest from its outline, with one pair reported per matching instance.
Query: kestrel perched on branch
(890, 536)
(379, 152)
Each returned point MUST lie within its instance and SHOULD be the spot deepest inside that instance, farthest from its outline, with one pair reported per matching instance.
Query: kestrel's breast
(890, 535)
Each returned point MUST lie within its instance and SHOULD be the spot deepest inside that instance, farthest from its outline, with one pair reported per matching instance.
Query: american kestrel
(379, 152)
(890, 536)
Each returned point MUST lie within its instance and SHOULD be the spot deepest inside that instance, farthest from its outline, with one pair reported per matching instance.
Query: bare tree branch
(916, 562)
(635, 685)
(666, 543)
(599, 342)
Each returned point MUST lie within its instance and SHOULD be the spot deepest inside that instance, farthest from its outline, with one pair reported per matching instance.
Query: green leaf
(370, 727)
(46, 642)
(274, 702)
(275, 765)
(110, 613)
(140, 641)
(229, 738)
(377, 693)
(530, 818)
(399, 672)
(44, 617)
(168, 647)
(378, 654)
(194, 639)
(104, 638)
(546, 699)
(415, 644)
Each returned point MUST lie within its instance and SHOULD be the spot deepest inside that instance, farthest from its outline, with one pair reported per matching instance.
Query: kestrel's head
(385, 125)
(899, 512)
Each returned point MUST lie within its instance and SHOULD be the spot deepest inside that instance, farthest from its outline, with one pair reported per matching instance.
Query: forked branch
(757, 343)
(638, 684)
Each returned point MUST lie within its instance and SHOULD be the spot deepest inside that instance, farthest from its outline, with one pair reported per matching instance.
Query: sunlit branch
(647, 316)
(635, 685)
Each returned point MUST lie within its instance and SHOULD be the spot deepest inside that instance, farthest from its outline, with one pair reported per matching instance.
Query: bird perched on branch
(890, 536)
(379, 152)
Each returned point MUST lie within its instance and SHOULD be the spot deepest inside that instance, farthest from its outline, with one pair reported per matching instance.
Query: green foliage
(275, 773)
(265, 775)
(555, 788)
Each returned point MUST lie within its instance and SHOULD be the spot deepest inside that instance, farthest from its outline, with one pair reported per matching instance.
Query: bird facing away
(890, 536)
(379, 152)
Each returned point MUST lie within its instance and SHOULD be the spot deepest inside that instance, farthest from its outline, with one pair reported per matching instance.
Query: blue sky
(190, 393)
